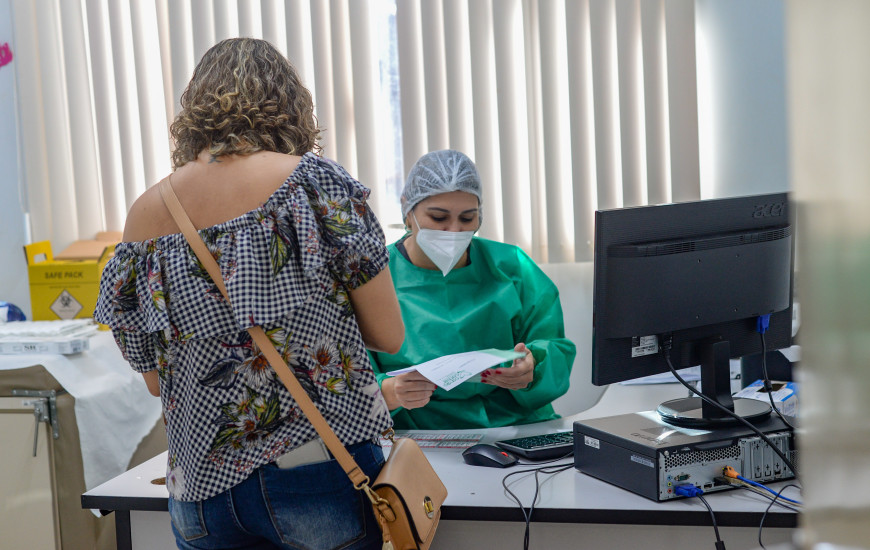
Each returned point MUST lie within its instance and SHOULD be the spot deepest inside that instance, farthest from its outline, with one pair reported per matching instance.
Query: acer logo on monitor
(770, 210)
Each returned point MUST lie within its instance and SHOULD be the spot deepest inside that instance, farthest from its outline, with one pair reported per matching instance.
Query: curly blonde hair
(244, 97)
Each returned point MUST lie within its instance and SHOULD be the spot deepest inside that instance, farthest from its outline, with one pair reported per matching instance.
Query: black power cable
(527, 514)
(768, 387)
(666, 350)
(667, 354)
(689, 490)
(719, 544)
(772, 501)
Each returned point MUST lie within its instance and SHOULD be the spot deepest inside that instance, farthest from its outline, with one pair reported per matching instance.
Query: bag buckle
(428, 507)
(382, 504)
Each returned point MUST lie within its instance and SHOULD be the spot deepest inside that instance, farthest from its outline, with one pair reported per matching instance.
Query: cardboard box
(90, 250)
(66, 286)
(785, 395)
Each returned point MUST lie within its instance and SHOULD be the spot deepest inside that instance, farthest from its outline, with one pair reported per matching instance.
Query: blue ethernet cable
(768, 489)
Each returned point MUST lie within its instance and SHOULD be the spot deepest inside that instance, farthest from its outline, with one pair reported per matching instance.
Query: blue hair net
(440, 172)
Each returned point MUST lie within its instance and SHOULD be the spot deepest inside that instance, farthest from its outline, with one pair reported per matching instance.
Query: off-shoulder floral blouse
(288, 266)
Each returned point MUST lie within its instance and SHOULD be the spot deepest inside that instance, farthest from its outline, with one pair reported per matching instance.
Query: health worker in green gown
(458, 293)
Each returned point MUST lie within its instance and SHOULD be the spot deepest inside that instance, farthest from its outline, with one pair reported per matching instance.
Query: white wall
(13, 270)
(742, 97)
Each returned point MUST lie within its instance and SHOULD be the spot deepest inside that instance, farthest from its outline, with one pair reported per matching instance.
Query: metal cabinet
(28, 510)
(40, 496)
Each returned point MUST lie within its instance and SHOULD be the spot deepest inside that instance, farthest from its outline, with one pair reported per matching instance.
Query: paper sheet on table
(690, 374)
(451, 370)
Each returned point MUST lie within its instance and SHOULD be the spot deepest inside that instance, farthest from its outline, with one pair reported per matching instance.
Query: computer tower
(643, 454)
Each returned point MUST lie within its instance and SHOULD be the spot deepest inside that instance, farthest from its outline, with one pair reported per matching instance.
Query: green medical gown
(498, 300)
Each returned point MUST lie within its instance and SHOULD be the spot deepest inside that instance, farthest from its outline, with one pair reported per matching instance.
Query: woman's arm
(543, 331)
(543, 373)
(377, 312)
(152, 380)
(137, 348)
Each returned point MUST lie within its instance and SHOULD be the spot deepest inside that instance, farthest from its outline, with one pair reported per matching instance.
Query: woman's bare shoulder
(212, 190)
(148, 218)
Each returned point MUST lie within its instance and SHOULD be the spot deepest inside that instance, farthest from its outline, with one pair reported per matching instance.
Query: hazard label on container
(66, 306)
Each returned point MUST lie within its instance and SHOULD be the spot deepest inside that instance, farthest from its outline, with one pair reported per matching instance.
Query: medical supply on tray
(63, 337)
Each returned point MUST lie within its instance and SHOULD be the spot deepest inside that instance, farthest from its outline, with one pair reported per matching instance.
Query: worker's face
(454, 211)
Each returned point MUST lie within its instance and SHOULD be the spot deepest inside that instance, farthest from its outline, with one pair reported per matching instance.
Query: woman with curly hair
(301, 255)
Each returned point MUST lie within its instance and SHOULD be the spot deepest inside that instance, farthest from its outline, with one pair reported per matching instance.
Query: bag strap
(357, 476)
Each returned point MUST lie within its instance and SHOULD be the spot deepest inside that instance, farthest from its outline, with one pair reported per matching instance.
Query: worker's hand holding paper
(451, 370)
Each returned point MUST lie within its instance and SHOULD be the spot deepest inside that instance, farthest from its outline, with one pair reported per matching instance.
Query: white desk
(574, 510)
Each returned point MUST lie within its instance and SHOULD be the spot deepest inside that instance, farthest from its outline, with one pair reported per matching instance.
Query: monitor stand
(694, 412)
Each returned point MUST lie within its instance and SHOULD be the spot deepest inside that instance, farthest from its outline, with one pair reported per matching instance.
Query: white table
(573, 510)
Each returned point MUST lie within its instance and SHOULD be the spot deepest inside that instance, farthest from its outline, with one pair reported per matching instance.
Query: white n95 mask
(444, 248)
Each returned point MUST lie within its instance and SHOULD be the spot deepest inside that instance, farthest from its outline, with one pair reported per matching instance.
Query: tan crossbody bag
(407, 494)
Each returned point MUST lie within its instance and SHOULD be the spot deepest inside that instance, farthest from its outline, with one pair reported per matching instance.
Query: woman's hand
(411, 390)
(518, 377)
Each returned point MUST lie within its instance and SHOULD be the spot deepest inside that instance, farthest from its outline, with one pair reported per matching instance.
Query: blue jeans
(310, 507)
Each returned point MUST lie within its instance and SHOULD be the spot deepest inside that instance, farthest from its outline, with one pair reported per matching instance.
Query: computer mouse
(488, 455)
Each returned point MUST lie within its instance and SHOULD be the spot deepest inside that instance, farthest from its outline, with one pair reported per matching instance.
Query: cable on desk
(730, 472)
(527, 515)
(772, 501)
(691, 491)
(732, 477)
(551, 461)
(768, 387)
(665, 347)
(741, 485)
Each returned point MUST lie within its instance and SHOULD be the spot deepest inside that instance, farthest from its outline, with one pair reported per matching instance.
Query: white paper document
(689, 374)
(451, 370)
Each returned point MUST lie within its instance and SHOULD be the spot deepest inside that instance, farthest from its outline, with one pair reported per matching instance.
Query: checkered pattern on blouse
(288, 267)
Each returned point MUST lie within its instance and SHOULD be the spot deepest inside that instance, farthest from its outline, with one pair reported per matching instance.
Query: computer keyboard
(540, 447)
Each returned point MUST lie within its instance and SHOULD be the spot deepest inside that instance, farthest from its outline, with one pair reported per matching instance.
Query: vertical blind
(566, 106)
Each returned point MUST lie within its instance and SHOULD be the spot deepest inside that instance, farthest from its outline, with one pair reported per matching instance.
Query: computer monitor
(694, 278)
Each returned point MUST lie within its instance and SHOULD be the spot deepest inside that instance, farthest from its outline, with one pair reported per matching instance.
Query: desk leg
(122, 530)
